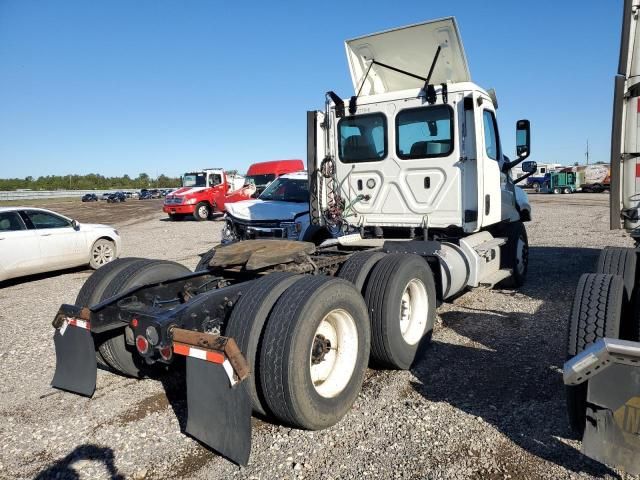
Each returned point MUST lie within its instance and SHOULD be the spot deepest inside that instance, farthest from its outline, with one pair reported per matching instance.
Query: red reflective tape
(180, 349)
(637, 170)
(208, 355)
(638, 110)
(76, 322)
(215, 357)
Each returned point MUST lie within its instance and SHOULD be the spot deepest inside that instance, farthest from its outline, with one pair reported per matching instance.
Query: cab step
(495, 278)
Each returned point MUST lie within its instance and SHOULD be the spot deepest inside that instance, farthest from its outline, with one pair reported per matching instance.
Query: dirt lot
(486, 401)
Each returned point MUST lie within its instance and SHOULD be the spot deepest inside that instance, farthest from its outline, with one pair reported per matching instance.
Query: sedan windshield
(287, 190)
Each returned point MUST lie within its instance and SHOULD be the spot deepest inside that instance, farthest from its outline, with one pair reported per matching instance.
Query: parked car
(89, 197)
(145, 195)
(34, 240)
(116, 197)
(281, 211)
(106, 195)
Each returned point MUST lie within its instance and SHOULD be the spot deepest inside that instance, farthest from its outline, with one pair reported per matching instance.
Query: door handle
(45, 235)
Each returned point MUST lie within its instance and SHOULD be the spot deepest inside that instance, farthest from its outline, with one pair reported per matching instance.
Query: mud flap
(218, 414)
(76, 367)
(612, 433)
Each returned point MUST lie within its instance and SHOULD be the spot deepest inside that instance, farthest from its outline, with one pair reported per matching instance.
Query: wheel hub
(321, 346)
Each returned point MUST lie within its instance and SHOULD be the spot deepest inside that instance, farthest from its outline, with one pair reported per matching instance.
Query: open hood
(411, 49)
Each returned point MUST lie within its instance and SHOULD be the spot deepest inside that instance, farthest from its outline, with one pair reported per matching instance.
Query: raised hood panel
(411, 49)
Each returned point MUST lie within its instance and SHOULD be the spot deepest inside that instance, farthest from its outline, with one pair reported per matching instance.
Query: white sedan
(34, 240)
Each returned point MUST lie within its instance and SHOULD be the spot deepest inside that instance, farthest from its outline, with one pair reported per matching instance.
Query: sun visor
(410, 49)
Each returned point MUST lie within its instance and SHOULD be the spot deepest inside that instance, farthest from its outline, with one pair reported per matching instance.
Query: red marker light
(166, 353)
(141, 344)
(134, 322)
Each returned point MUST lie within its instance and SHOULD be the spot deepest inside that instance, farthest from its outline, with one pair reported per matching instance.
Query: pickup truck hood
(265, 210)
(181, 192)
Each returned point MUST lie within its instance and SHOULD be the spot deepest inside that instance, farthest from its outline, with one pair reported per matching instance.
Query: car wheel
(201, 212)
(103, 251)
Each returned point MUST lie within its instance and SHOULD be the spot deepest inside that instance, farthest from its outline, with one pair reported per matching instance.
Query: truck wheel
(400, 296)
(556, 190)
(514, 255)
(619, 261)
(314, 352)
(536, 186)
(205, 258)
(566, 190)
(358, 267)
(115, 351)
(92, 290)
(202, 211)
(595, 314)
(246, 325)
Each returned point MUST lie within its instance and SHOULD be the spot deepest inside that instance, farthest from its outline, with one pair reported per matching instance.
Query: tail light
(142, 344)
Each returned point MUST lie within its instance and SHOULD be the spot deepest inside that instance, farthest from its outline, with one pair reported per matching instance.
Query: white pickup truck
(281, 211)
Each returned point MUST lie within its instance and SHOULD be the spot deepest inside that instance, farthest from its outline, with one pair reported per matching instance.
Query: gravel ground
(486, 401)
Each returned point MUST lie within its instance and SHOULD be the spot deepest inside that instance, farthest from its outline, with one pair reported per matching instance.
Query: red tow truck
(205, 192)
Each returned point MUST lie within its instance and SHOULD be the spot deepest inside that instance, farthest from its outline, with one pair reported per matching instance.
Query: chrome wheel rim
(102, 253)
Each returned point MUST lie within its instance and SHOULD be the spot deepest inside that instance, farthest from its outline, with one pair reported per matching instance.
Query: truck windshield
(194, 180)
(287, 190)
(259, 180)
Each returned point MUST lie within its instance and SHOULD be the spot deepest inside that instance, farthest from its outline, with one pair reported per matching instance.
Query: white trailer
(602, 375)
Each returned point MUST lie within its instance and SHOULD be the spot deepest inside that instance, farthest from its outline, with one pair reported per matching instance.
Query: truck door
(491, 154)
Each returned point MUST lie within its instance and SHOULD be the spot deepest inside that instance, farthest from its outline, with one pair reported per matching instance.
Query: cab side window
(491, 138)
(11, 222)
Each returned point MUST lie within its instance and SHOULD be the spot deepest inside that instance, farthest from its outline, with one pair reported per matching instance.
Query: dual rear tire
(606, 304)
(114, 278)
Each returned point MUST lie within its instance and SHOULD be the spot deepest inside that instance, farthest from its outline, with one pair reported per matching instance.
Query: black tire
(510, 257)
(619, 261)
(556, 190)
(202, 211)
(384, 292)
(92, 289)
(115, 351)
(535, 186)
(246, 325)
(285, 363)
(595, 314)
(205, 258)
(358, 268)
(566, 190)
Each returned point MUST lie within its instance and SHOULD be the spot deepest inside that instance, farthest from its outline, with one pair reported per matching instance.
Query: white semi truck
(411, 203)
(602, 375)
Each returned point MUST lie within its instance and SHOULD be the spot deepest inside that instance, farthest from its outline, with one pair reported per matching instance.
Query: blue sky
(163, 86)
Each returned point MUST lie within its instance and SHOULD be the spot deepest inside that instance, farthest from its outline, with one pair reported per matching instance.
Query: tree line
(88, 182)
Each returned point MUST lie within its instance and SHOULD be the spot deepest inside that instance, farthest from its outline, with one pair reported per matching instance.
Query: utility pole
(587, 152)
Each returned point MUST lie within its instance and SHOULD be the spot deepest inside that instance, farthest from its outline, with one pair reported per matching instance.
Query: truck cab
(408, 153)
(199, 196)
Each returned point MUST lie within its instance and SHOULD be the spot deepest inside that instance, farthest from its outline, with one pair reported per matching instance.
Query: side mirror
(523, 139)
(75, 224)
(529, 167)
